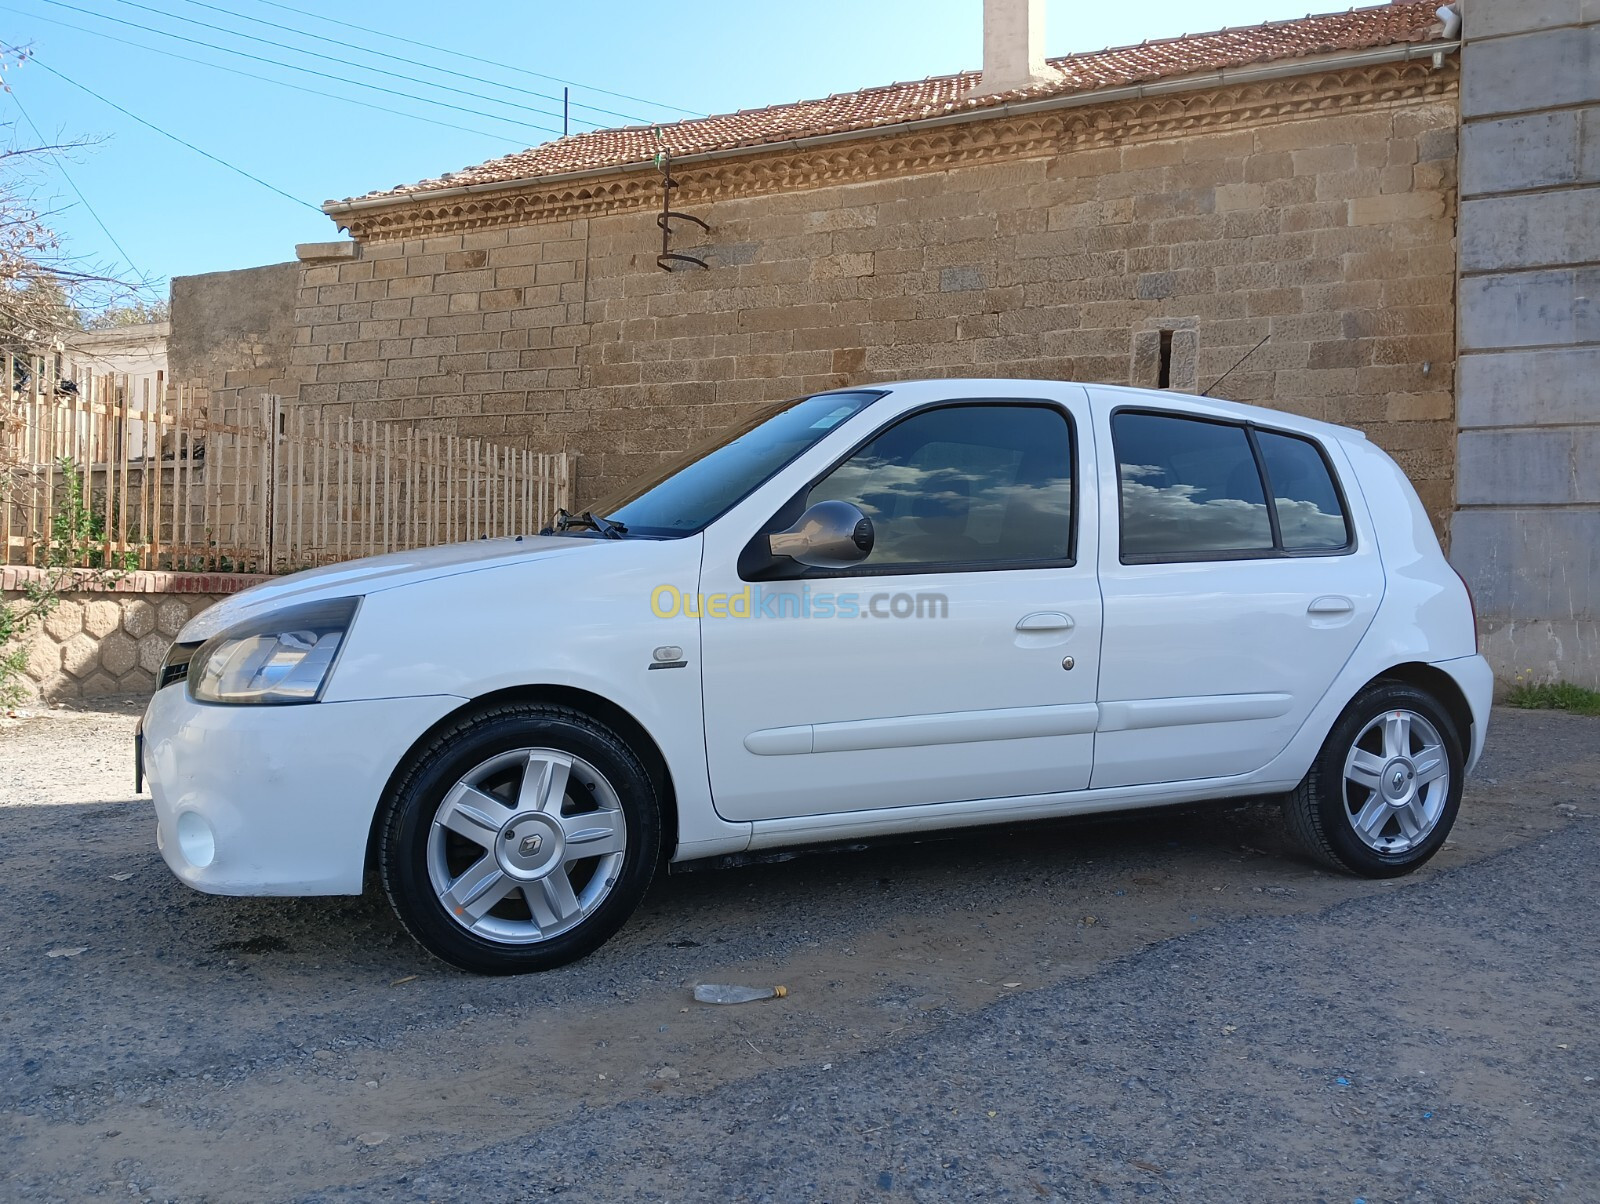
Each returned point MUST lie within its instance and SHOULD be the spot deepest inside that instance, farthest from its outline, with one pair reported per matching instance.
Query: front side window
(1194, 489)
(704, 484)
(963, 485)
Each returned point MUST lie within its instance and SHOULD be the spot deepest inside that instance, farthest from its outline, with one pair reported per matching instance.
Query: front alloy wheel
(526, 845)
(1384, 790)
(519, 839)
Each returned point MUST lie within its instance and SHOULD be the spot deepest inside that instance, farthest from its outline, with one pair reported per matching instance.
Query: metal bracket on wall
(668, 258)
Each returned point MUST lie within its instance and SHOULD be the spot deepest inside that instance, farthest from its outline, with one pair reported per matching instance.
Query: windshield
(707, 482)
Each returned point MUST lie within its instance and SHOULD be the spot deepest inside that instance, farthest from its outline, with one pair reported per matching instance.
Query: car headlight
(280, 658)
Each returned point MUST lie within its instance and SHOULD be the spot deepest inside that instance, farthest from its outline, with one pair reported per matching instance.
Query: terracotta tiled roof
(1368, 28)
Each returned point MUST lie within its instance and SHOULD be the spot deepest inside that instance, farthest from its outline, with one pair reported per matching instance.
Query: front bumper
(274, 800)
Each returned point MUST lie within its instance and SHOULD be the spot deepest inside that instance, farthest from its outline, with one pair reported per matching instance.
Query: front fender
(574, 622)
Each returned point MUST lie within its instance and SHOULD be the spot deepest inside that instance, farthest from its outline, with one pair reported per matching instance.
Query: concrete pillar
(1526, 531)
(1013, 45)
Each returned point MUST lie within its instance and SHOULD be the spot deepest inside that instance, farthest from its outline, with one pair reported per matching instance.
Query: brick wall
(1330, 230)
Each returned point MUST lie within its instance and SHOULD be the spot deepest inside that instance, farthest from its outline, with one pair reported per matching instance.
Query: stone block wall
(232, 334)
(1527, 533)
(239, 322)
(107, 640)
(1318, 210)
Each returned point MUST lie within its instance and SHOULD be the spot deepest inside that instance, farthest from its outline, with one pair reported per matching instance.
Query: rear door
(1236, 584)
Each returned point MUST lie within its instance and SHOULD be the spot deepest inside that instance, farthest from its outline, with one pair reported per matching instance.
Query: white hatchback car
(872, 611)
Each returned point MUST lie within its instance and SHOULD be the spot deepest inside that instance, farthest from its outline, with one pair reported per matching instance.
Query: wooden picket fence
(343, 488)
(104, 469)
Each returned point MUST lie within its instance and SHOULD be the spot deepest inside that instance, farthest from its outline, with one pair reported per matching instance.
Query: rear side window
(1198, 490)
(1188, 487)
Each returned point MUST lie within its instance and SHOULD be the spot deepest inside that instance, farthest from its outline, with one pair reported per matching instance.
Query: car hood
(352, 578)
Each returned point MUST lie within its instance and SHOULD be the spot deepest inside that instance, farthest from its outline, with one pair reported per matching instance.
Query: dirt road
(1178, 1007)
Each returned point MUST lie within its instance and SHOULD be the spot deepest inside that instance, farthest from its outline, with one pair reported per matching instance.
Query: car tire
(1383, 793)
(519, 838)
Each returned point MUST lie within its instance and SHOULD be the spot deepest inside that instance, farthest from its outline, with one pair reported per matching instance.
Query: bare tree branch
(44, 289)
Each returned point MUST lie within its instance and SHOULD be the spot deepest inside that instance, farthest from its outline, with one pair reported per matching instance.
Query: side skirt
(775, 841)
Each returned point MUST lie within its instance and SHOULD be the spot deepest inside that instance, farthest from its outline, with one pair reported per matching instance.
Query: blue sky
(174, 212)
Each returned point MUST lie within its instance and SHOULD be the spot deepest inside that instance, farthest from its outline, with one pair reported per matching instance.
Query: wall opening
(1166, 358)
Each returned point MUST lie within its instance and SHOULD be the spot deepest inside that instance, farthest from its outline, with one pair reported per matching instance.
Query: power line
(461, 54)
(477, 79)
(34, 58)
(332, 58)
(312, 71)
(266, 79)
(71, 183)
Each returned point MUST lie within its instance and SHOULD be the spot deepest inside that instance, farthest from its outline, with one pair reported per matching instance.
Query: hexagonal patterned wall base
(110, 640)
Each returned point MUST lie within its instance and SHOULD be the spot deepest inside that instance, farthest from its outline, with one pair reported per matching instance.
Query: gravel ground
(1181, 1008)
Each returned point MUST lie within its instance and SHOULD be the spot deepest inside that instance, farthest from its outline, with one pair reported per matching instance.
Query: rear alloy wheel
(1383, 793)
(520, 840)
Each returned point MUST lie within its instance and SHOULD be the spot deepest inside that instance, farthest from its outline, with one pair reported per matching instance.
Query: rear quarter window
(1310, 514)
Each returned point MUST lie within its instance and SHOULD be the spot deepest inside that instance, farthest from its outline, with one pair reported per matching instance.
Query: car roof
(1210, 407)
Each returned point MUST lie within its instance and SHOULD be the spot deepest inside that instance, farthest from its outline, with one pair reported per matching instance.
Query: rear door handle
(1045, 620)
(1330, 605)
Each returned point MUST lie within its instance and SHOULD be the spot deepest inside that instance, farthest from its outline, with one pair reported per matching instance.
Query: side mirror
(830, 535)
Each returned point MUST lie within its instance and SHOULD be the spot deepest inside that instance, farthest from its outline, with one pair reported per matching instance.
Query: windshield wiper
(588, 518)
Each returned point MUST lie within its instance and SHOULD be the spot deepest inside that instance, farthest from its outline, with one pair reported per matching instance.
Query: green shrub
(1555, 696)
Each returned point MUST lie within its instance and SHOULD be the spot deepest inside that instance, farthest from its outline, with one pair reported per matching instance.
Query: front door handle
(1045, 620)
(1330, 605)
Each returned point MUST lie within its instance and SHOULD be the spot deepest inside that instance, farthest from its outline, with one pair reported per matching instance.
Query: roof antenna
(1236, 363)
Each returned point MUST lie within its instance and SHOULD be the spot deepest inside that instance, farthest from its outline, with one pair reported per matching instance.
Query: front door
(956, 662)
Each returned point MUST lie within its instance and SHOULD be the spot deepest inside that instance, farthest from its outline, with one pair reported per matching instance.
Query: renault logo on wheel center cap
(531, 846)
(1397, 780)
